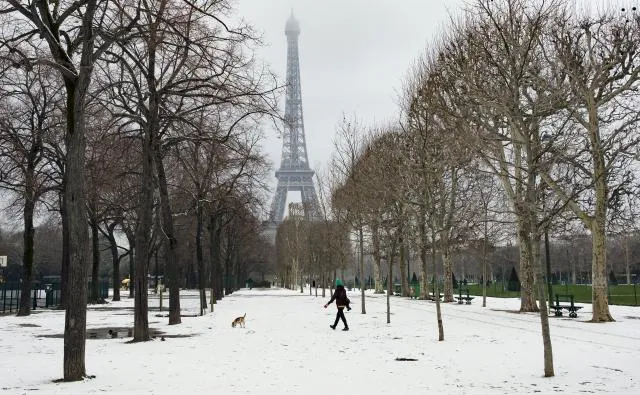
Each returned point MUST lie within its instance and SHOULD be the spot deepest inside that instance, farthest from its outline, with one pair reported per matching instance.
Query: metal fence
(43, 295)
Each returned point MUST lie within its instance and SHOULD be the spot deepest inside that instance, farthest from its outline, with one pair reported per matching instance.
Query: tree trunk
(301, 282)
(227, 271)
(30, 198)
(484, 281)
(64, 269)
(170, 242)
(142, 241)
(132, 239)
(446, 224)
(403, 269)
(27, 258)
(377, 267)
(484, 259)
(212, 276)
(95, 264)
(214, 255)
(333, 282)
(527, 294)
(212, 260)
(235, 265)
(424, 281)
(389, 288)
(447, 265)
(115, 260)
(600, 300)
(200, 257)
(294, 271)
(627, 259)
(599, 297)
(436, 291)
(544, 316)
(219, 266)
(75, 202)
(362, 287)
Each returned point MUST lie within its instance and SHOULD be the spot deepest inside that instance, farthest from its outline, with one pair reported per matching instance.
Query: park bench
(571, 307)
(414, 290)
(464, 299)
(431, 296)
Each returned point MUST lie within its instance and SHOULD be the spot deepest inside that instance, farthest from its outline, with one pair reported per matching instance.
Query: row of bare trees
(532, 96)
(127, 116)
(310, 249)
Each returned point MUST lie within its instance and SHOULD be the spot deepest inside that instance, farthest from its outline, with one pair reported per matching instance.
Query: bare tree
(496, 52)
(381, 163)
(73, 37)
(360, 195)
(29, 117)
(348, 146)
(218, 160)
(599, 60)
(437, 165)
(119, 209)
(493, 63)
(491, 223)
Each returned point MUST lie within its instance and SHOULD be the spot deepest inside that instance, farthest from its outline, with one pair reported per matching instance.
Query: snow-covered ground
(288, 347)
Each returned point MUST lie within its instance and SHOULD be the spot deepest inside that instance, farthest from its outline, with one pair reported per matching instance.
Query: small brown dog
(239, 321)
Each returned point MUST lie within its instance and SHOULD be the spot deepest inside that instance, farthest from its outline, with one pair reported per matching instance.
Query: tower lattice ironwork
(294, 173)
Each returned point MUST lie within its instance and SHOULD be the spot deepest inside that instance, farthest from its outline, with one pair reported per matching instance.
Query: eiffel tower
(294, 173)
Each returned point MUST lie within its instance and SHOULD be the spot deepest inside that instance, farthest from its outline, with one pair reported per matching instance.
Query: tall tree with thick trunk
(73, 36)
(600, 59)
(27, 122)
(492, 62)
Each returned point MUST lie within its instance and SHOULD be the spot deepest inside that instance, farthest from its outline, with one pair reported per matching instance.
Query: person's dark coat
(340, 296)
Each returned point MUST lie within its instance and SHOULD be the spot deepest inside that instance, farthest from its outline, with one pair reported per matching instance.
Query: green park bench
(464, 299)
(431, 296)
(571, 307)
(414, 290)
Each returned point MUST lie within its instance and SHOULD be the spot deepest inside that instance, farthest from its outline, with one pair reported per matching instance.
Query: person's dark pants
(339, 316)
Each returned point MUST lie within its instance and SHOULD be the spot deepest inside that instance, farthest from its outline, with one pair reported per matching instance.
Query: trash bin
(415, 290)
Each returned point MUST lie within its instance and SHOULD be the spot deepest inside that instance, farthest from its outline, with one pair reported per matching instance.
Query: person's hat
(338, 282)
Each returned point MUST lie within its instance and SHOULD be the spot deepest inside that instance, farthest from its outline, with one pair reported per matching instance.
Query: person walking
(342, 301)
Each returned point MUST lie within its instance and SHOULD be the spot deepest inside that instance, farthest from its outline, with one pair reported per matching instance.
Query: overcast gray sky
(353, 57)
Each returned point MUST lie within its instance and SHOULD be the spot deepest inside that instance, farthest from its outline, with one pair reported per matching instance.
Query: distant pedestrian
(342, 301)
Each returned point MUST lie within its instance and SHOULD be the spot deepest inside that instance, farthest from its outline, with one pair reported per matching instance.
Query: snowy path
(288, 347)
